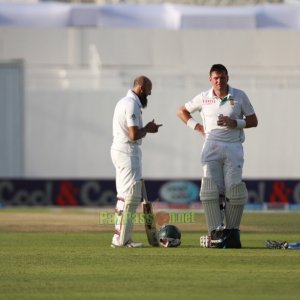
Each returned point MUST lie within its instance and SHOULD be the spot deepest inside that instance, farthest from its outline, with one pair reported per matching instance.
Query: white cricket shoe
(130, 244)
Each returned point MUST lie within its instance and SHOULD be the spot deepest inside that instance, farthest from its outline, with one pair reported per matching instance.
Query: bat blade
(150, 226)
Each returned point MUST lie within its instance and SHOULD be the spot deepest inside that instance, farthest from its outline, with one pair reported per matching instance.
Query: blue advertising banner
(263, 194)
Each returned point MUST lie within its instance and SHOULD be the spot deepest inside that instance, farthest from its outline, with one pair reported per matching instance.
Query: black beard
(143, 99)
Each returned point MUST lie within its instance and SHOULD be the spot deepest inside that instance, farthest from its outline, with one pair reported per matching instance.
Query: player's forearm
(183, 114)
(248, 122)
(137, 134)
(187, 118)
(251, 121)
(142, 132)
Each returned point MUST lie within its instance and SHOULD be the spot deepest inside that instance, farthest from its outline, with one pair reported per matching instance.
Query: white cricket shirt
(235, 105)
(128, 112)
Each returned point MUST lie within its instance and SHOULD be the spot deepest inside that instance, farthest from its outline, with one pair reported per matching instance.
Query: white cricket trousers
(128, 170)
(223, 162)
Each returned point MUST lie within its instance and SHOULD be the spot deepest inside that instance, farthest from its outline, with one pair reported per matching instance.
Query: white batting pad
(209, 196)
(236, 198)
(132, 201)
(209, 190)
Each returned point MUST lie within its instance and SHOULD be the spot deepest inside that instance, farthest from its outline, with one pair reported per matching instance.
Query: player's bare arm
(136, 133)
(250, 121)
(186, 117)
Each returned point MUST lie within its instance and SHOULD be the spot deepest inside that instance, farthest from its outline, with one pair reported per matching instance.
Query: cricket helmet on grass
(169, 236)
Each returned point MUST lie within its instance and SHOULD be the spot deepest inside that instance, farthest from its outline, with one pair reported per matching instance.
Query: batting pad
(209, 196)
(132, 201)
(237, 194)
(235, 200)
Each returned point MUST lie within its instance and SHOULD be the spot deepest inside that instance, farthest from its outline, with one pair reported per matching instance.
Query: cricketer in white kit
(225, 112)
(126, 155)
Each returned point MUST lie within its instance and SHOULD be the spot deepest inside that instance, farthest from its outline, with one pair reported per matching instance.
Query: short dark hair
(218, 68)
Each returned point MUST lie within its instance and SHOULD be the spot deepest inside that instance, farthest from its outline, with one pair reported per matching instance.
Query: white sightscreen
(11, 121)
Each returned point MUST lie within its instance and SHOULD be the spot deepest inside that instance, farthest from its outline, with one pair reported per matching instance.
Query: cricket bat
(150, 227)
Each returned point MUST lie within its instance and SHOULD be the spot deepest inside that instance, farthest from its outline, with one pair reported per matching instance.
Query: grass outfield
(64, 254)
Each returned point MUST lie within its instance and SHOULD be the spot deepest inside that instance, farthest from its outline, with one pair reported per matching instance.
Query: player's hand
(152, 127)
(225, 121)
(200, 129)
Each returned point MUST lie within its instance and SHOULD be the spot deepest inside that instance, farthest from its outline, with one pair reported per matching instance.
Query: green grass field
(43, 257)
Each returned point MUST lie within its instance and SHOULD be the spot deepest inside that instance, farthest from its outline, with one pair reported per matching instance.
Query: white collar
(212, 95)
(135, 97)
